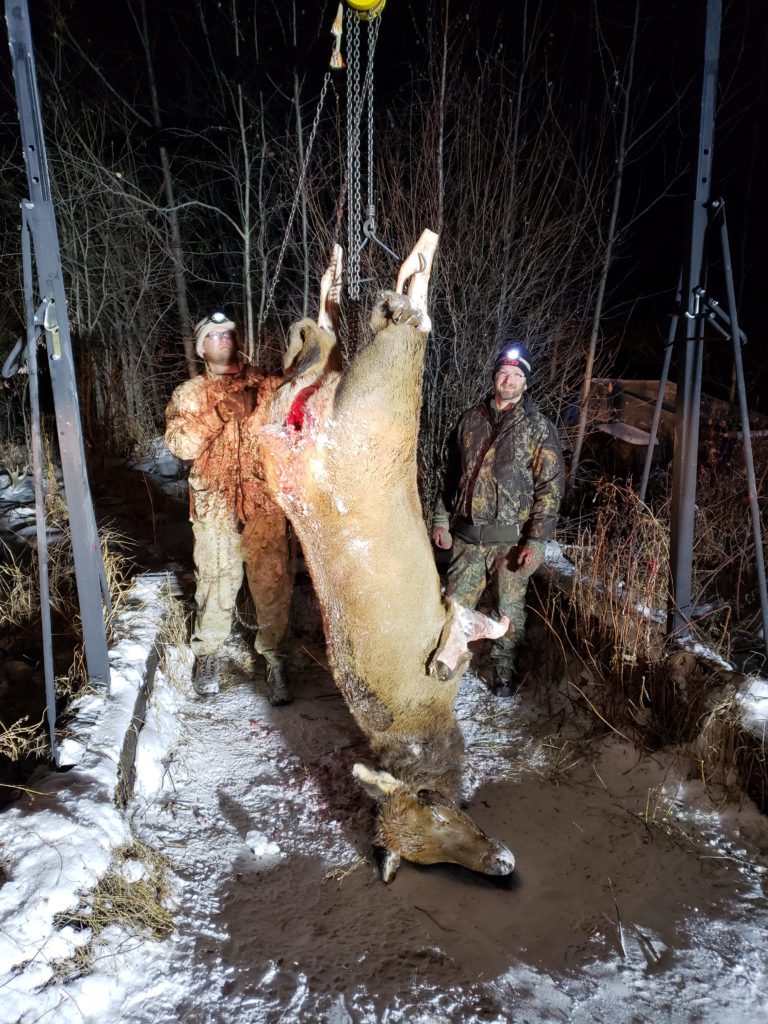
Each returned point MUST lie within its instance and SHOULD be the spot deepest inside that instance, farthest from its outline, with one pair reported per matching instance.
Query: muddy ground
(634, 898)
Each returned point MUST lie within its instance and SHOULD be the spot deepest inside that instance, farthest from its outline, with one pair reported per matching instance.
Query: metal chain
(354, 109)
(373, 35)
(296, 198)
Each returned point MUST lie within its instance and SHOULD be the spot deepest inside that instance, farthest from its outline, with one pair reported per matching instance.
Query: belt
(490, 533)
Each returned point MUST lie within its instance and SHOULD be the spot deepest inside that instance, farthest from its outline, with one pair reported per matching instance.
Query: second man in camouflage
(499, 507)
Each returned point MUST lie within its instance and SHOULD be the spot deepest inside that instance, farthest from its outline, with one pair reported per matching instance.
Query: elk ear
(376, 783)
(390, 862)
(295, 345)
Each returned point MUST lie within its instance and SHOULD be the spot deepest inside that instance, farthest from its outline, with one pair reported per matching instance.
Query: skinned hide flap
(462, 626)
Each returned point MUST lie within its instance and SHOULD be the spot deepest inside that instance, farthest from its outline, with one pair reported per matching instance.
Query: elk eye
(428, 797)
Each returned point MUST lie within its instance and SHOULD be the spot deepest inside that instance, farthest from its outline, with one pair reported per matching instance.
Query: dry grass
(725, 547)
(661, 814)
(612, 635)
(22, 739)
(176, 658)
(15, 459)
(344, 870)
(20, 611)
(20, 587)
(731, 760)
(75, 680)
(622, 567)
(76, 966)
(116, 570)
(19, 598)
(138, 905)
(554, 759)
(613, 622)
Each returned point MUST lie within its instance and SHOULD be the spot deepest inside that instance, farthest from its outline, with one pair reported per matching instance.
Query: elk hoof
(392, 308)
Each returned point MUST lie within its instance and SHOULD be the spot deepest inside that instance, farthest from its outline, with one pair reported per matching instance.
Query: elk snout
(499, 860)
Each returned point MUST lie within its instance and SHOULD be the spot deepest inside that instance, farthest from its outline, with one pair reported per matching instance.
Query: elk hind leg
(413, 278)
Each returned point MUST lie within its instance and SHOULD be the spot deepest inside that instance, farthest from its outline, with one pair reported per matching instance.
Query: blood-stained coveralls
(234, 521)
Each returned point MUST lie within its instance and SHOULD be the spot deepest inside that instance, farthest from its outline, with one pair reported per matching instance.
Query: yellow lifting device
(367, 10)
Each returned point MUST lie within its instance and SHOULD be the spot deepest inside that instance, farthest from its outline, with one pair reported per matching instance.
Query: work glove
(236, 406)
(442, 538)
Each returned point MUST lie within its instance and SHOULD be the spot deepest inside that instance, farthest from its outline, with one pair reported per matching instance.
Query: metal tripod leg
(718, 208)
(40, 224)
(40, 520)
(673, 322)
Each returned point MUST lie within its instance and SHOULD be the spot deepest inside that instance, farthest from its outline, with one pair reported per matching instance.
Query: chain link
(296, 198)
(354, 110)
(373, 35)
(358, 94)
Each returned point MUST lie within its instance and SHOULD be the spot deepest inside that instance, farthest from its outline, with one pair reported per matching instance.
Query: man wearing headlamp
(504, 484)
(234, 521)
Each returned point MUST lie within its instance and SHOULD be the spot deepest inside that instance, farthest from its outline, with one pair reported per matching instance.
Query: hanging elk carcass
(340, 456)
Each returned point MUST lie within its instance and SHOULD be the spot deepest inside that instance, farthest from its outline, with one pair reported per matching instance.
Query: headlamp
(513, 353)
(217, 317)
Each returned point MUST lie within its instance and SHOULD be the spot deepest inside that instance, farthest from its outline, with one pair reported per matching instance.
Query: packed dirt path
(633, 899)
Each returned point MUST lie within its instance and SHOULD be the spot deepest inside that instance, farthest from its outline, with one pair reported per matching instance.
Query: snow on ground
(634, 899)
(754, 705)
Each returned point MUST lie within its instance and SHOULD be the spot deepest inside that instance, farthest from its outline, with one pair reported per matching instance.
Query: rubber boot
(205, 678)
(278, 691)
(504, 679)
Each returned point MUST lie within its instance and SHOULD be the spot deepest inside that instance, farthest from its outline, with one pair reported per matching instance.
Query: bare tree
(518, 250)
(117, 256)
(625, 89)
(173, 215)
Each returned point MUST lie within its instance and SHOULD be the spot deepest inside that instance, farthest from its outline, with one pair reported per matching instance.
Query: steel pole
(41, 221)
(689, 382)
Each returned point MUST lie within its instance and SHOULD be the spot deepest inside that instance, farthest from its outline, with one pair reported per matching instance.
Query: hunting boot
(278, 691)
(205, 678)
(504, 679)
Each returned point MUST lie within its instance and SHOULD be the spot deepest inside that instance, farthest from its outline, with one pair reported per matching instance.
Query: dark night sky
(667, 77)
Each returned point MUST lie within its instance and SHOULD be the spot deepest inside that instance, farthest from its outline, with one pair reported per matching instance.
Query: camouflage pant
(473, 567)
(220, 551)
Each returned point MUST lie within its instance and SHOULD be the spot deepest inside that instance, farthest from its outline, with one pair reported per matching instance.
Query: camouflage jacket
(226, 480)
(504, 468)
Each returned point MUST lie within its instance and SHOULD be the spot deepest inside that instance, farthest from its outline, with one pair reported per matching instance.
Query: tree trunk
(300, 147)
(607, 257)
(176, 244)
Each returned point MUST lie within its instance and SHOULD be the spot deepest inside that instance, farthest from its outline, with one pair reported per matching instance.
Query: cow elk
(340, 456)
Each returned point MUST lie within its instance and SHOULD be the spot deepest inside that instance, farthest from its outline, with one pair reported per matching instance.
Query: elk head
(422, 826)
